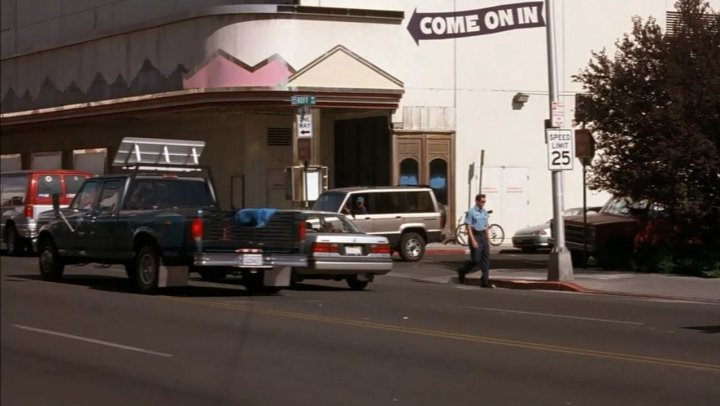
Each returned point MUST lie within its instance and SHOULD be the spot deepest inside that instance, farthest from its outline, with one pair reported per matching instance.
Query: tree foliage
(654, 108)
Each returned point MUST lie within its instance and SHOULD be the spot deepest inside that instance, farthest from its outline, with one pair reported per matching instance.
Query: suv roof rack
(154, 154)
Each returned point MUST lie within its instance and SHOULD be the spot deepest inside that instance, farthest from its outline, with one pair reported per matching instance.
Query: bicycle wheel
(497, 234)
(461, 236)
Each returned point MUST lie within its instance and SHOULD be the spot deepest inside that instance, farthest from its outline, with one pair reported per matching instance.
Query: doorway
(362, 152)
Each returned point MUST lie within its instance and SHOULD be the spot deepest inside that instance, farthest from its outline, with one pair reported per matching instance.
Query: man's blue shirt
(477, 218)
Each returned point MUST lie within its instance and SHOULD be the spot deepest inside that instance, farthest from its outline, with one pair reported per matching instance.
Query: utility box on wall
(305, 184)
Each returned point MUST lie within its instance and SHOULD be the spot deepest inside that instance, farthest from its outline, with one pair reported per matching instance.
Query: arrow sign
(430, 26)
(304, 125)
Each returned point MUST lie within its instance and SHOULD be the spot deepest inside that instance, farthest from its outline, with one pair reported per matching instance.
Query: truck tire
(51, 264)
(14, 244)
(412, 247)
(355, 283)
(147, 267)
(213, 275)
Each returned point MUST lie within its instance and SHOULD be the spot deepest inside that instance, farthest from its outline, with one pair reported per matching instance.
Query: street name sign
(300, 100)
(561, 148)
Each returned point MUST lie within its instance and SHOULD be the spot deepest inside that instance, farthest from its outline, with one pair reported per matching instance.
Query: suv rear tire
(14, 244)
(412, 247)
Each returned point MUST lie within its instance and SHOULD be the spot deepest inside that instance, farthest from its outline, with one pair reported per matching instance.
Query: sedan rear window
(321, 223)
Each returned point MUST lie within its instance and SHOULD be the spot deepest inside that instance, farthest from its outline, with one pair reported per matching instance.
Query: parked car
(532, 238)
(338, 250)
(26, 194)
(408, 216)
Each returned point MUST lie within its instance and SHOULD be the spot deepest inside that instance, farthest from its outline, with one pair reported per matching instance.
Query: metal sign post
(560, 266)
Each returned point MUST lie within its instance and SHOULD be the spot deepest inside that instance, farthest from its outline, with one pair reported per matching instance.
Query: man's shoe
(487, 285)
(461, 276)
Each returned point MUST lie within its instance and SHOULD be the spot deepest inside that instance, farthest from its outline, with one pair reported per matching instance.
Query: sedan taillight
(323, 247)
(380, 249)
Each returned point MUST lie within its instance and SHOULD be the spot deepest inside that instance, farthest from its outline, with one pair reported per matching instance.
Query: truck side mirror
(56, 203)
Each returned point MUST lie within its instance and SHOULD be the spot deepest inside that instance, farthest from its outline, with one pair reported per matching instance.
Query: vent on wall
(279, 137)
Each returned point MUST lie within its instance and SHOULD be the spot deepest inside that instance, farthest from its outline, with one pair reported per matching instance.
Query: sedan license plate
(251, 259)
(353, 250)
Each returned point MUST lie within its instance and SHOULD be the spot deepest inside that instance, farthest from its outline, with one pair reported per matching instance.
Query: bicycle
(495, 232)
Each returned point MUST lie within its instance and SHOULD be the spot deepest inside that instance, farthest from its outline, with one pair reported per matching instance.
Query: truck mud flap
(172, 275)
(277, 276)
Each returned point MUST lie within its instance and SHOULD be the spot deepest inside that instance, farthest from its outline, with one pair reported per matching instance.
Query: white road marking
(90, 340)
(555, 315)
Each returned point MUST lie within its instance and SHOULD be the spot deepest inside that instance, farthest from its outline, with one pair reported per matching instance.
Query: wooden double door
(427, 159)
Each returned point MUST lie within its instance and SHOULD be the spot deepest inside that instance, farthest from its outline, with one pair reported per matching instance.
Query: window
(47, 185)
(14, 188)
(86, 197)
(409, 172)
(47, 160)
(386, 203)
(329, 202)
(419, 202)
(169, 193)
(329, 224)
(110, 196)
(10, 162)
(439, 179)
(90, 160)
(72, 184)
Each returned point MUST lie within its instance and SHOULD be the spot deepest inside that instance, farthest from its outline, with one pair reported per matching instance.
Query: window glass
(14, 188)
(625, 207)
(10, 162)
(387, 203)
(142, 195)
(182, 193)
(47, 185)
(409, 172)
(360, 203)
(438, 179)
(86, 197)
(72, 184)
(47, 160)
(329, 224)
(110, 196)
(329, 202)
(419, 202)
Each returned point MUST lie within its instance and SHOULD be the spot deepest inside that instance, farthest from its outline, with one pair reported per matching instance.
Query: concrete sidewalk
(608, 282)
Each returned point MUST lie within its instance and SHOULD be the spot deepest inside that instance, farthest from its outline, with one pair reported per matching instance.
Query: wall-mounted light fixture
(519, 100)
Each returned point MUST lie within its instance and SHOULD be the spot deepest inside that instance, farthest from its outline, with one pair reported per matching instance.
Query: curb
(560, 286)
(446, 251)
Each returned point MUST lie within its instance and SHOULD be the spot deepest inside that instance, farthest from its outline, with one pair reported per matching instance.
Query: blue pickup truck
(162, 225)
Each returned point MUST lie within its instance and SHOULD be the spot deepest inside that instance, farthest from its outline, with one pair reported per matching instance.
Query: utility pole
(560, 266)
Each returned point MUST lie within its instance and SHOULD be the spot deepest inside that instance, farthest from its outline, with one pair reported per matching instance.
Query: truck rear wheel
(147, 267)
(51, 265)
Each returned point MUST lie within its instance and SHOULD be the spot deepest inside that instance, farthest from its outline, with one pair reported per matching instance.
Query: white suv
(408, 216)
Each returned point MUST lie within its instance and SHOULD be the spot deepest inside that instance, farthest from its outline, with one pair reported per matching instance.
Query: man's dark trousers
(479, 258)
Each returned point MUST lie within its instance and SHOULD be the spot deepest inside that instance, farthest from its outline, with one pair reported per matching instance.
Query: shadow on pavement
(123, 285)
(705, 329)
(302, 286)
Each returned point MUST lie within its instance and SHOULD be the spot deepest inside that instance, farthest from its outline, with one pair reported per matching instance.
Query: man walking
(476, 222)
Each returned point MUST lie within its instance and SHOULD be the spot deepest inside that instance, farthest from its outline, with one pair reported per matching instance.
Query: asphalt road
(90, 341)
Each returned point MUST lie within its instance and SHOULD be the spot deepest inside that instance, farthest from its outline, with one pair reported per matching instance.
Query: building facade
(407, 92)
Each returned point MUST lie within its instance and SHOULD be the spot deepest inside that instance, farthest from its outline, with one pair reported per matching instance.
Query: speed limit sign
(561, 149)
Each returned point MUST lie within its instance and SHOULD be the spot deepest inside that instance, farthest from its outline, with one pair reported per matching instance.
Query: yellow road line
(456, 336)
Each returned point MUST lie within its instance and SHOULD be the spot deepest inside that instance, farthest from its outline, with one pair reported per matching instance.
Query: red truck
(611, 234)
